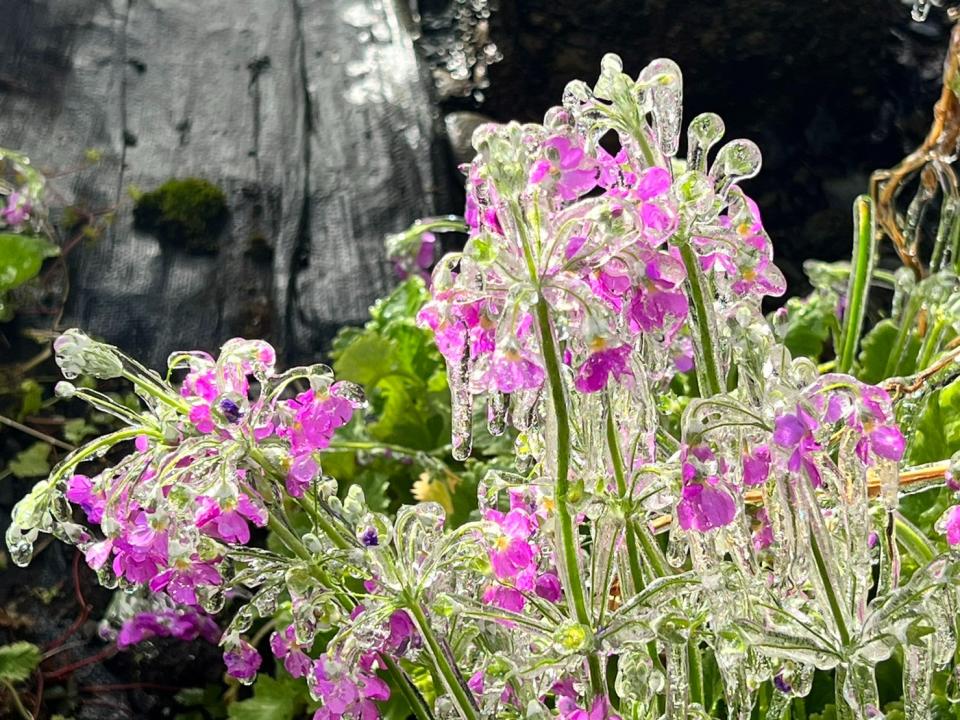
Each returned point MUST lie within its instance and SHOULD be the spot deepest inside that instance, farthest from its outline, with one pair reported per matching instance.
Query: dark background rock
(314, 118)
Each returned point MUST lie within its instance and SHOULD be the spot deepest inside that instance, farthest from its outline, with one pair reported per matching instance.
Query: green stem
(569, 545)
(859, 287)
(157, 391)
(414, 699)
(613, 445)
(828, 588)
(907, 325)
(17, 702)
(448, 673)
(707, 365)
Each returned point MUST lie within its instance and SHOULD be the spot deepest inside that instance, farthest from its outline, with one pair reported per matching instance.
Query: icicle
(917, 680)
(676, 546)
(666, 97)
(678, 681)
(860, 692)
(920, 10)
(704, 131)
(461, 407)
(496, 413)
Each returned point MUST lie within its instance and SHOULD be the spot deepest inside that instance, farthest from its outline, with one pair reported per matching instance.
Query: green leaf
(32, 462)
(21, 257)
(937, 433)
(18, 661)
(31, 398)
(273, 699)
(76, 430)
(875, 352)
(365, 360)
(808, 326)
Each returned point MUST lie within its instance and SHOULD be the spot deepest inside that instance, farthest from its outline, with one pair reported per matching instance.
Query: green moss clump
(189, 212)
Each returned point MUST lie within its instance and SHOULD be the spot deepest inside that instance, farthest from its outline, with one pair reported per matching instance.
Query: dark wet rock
(315, 119)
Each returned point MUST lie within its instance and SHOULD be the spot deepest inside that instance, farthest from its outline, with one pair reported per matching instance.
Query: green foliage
(18, 661)
(810, 322)
(875, 352)
(189, 212)
(936, 435)
(280, 698)
(32, 462)
(21, 257)
(202, 703)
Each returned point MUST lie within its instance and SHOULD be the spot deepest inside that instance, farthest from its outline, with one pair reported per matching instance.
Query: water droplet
(22, 552)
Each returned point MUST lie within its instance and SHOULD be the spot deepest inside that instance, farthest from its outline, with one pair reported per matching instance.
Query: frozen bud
(65, 390)
(77, 354)
(571, 637)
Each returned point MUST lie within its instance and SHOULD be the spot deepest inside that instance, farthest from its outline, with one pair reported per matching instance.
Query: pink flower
(17, 209)
(346, 695)
(952, 525)
(229, 525)
(600, 365)
(80, 492)
(242, 660)
(181, 583)
(183, 624)
(512, 552)
(756, 466)
(705, 507)
(285, 647)
(567, 166)
(794, 431)
(510, 371)
(659, 302)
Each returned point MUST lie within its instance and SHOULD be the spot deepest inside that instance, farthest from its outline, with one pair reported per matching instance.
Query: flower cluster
(608, 305)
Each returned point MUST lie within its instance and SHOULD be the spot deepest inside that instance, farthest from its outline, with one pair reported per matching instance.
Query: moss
(189, 212)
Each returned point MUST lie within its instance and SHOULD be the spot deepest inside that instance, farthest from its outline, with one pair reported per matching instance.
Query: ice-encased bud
(666, 99)
(704, 131)
(737, 160)
(77, 354)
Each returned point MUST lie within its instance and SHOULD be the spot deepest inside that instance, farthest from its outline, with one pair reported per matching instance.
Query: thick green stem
(569, 542)
(859, 287)
(832, 600)
(707, 364)
(613, 445)
(448, 674)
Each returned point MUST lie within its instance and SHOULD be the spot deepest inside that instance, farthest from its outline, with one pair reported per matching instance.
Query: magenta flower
(184, 624)
(17, 209)
(344, 696)
(600, 366)
(659, 302)
(181, 582)
(548, 587)
(286, 649)
(403, 634)
(242, 660)
(952, 525)
(229, 523)
(600, 710)
(756, 465)
(705, 507)
(884, 440)
(572, 172)
(505, 597)
(512, 552)
(80, 492)
(794, 431)
(511, 370)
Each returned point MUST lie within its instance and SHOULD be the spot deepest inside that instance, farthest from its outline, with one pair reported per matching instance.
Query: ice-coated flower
(659, 302)
(599, 710)
(181, 582)
(242, 660)
(793, 432)
(597, 369)
(951, 525)
(548, 587)
(80, 492)
(572, 172)
(512, 553)
(884, 440)
(403, 633)
(705, 507)
(511, 370)
(181, 624)
(344, 694)
(228, 522)
(285, 648)
(756, 465)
